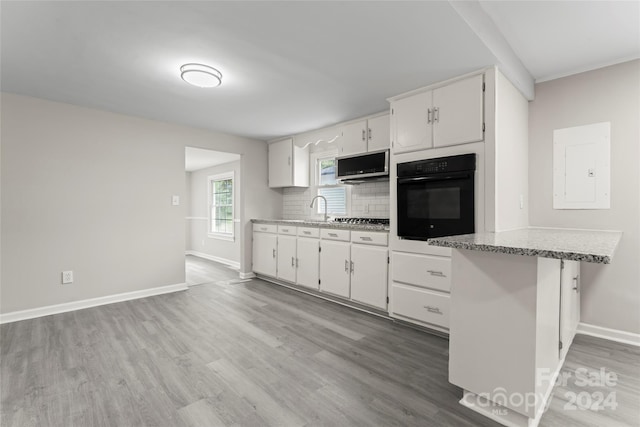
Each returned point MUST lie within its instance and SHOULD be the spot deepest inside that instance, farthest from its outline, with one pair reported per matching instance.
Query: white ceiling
(287, 67)
(559, 38)
(198, 158)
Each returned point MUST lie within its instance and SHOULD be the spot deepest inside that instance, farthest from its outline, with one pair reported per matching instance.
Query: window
(221, 205)
(328, 186)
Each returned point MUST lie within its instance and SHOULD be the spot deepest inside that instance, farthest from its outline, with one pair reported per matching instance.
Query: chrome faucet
(325, 205)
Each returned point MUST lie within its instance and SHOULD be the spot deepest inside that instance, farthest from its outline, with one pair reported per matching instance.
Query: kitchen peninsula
(514, 311)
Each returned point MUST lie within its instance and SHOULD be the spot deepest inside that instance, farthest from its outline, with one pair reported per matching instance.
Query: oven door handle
(433, 178)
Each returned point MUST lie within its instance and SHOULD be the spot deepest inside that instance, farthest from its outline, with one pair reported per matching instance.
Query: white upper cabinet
(412, 122)
(353, 138)
(365, 135)
(457, 110)
(288, 165)
(447, 115)
(378, 133)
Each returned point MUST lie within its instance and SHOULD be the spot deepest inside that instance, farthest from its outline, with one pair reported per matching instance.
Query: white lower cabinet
(569, 303)
(308, 262)
(335, 267)
(420, 304)
(287, 258)
(265, 252)
(344, 263)
(420, 286)
(369, 275)
(426, 271)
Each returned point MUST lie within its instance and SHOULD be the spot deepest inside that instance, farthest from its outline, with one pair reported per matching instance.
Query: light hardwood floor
(255, 354)
(199, 271)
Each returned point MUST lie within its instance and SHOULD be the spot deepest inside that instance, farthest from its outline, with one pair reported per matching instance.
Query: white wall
(90, 191)
(225, 250)
(610, 293)
(511, 156)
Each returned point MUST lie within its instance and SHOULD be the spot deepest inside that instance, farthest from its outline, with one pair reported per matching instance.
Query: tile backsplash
(369, 200)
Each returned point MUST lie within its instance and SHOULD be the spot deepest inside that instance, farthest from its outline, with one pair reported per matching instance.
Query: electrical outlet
(521, 201)
(67, 277)
(175, 200)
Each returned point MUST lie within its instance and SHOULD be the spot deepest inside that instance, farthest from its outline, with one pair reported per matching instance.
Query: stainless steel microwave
(357, 168)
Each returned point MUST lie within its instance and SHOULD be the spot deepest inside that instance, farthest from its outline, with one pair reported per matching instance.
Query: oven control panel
(461, 163)
(432, 167)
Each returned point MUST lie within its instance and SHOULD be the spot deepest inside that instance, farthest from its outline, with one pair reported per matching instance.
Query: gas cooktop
(372, 221)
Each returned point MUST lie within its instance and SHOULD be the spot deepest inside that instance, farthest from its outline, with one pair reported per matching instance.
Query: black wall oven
(436, 197)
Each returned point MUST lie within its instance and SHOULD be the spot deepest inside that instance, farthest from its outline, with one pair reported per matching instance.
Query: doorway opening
(213, 233)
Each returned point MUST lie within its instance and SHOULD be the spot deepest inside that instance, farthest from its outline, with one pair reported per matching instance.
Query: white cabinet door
(287, 258)
(288, 165)
(458, 114)
(378, 133)
(369, 275)
(353, 138)
(308, 262)
(265, 253)
(335, 267)
(412, 122)
(569, 304)
(281, 163)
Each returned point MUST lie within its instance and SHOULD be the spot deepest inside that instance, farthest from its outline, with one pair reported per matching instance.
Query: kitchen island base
(507, 359)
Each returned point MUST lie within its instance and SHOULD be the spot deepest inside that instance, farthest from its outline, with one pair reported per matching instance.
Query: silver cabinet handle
(333, 234)
(285, 230)
(436, 114)
(363, 137)
(369, 131)
(366, 239)
(306, 232)
(435, 310)
(352, 267)
(274, 253)
(297, 264)
(346, 266)
(263, 228)
(436, 273)
(577, 286)
(429, 115)
(293, 262)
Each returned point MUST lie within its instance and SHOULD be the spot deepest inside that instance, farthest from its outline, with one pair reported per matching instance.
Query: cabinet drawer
(331, 234)
(369, 238)
(265, 228)
(308, 232)
(421, 305)
(422, 270)
(287, 229)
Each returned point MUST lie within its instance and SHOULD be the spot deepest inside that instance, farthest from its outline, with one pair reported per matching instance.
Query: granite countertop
(323, 224)
(569, 244)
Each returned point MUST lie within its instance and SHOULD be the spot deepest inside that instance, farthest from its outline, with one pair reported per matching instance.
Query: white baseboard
(32, 313)
(609, 334)
(249, 275)
(224, 261)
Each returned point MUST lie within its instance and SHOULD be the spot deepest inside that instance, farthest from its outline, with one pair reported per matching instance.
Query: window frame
(210, 180)
(316, 157)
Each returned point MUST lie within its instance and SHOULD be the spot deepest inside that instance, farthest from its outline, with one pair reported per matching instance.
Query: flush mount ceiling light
(200, 75)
